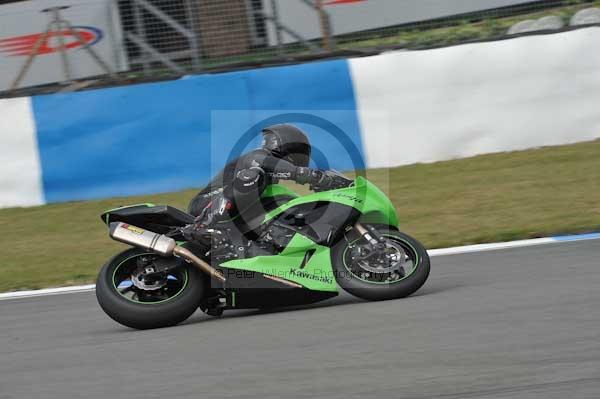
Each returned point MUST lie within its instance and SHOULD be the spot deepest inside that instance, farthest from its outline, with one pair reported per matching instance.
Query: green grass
(424, 35)
(489, 28)
(487, 198)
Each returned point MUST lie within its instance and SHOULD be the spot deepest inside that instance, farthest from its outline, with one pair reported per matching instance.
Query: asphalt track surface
(519, 323)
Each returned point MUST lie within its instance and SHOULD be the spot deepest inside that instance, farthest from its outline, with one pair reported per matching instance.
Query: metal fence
(163, 39)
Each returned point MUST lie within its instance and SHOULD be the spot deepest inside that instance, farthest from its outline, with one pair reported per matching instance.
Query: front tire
(133, 307)
(361, 279)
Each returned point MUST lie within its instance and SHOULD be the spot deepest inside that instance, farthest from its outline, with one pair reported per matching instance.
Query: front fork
(369, 233)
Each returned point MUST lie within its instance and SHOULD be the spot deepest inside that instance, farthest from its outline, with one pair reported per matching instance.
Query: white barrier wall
(420, 106)
(20, 175)
(460, 101)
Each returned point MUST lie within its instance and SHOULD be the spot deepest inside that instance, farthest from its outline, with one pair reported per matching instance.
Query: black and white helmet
(287, 142)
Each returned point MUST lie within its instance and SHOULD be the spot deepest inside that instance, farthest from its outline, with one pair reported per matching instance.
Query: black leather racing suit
(240, 184)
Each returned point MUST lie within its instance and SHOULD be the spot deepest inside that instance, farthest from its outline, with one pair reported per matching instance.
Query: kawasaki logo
(303, 274)
(349, 197)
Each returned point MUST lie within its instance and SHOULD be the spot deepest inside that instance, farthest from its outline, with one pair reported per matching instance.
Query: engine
(272, 240)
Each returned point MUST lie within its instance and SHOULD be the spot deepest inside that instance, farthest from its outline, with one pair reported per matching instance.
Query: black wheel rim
(165, 287)
(390, 275)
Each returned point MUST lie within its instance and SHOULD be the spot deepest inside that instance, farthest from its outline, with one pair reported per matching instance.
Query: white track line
(490, 247)
(512, 244)
(433, 252)
(46, 291)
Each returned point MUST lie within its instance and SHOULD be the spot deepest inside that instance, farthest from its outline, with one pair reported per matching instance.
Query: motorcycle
(297, 250)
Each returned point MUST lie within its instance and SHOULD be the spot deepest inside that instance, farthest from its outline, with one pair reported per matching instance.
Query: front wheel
(395, 269)
(133, 291)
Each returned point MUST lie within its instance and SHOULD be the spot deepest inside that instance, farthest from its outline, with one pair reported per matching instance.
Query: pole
(275, 19)
(325, 25)
(34, 52)
(141, 32)
(59, 27)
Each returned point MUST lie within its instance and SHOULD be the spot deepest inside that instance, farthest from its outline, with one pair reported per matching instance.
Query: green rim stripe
(417, 261)
(145, 303)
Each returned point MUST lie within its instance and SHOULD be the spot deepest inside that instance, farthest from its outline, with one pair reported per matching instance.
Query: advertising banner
(78, 24)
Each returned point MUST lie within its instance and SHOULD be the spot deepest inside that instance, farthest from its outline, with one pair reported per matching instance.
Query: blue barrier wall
(393, 109)
(172, 135)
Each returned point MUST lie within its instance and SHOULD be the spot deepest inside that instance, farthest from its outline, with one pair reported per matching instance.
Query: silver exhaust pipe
(160, 244)
(139, 237)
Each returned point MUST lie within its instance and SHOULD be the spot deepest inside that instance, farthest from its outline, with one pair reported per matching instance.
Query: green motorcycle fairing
(363, 196)
(303, 261)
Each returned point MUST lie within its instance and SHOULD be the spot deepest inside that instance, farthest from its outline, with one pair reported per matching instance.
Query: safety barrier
(393, 109)
(455, 102)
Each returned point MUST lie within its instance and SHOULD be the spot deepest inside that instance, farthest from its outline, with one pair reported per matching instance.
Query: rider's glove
(319, 180)
(307, 175)
(313, 177)
(330, 182)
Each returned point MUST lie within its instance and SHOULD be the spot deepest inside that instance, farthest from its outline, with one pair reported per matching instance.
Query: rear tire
(378, 291)
(145, 315)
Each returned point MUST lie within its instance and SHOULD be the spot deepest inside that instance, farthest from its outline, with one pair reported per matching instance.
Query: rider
(284, 155)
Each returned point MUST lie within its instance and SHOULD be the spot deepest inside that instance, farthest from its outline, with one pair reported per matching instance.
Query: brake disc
(393, 260)
(138, 280)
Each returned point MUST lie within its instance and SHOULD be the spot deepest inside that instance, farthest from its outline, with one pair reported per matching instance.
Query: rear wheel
(132, 289)
(396, 269)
